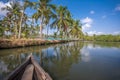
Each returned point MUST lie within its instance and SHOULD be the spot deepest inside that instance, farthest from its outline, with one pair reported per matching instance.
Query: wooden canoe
(29, 70)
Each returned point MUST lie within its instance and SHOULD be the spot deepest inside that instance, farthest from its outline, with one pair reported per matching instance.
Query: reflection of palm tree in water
(10, 63)
(56, 59)
(15, 57)
(60, 64)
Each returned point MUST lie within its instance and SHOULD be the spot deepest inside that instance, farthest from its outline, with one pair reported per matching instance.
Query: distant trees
(103, 38)
(106, 38)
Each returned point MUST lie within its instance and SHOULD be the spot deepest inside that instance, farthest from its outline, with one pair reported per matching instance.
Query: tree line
(18, 24)
(103, 38)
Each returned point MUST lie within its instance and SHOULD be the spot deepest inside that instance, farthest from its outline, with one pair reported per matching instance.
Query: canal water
(68, 61)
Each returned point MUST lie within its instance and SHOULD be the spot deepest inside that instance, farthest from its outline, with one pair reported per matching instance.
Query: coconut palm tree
(13, 16)
(76, 29)
(50, 15)
(16, 15)
(2, 29)
(26, 4)
(5, 26)
(62, 19)
(42, 7)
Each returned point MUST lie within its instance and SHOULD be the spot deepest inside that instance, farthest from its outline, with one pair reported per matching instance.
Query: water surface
(68, 61)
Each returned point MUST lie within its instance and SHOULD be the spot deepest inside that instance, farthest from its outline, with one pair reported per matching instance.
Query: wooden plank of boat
(41, 74)
(29, 70)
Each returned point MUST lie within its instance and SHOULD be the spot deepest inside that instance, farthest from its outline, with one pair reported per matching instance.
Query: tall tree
(76, 29)
(13, 16)
(42, 7)
(26, 4)
(62, 19)
(49, 15)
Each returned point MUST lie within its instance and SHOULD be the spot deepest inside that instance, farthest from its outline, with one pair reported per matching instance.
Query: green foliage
(103, 38)
(75, 29)
(62, 20)
(106, 38)
(18, 24)
(1, 31)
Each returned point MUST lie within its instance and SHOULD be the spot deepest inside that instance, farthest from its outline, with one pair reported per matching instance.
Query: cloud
(87, 22)
(92, 12)
(3, 5)
(102, 33)
(117, 8)
(95, 32)
(85, 55)
(116, 33)
(104, 16)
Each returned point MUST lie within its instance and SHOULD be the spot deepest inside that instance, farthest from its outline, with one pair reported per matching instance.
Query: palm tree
(27, 3)
(5, 26)
(62, 19)
(76, 29)
(1, 29)
(13, 16)
(16, 13)
(42, 11)
(50, 15)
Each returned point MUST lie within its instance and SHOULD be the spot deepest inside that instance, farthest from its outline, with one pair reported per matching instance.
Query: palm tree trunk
(19, 34)
(41, 31)
(47, 30)
(41, 27)
(16, 31)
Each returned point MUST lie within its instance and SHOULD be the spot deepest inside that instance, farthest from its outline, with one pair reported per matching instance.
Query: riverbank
(10, 43)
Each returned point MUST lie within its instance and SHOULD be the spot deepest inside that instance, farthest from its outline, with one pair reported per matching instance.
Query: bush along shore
(9, 43)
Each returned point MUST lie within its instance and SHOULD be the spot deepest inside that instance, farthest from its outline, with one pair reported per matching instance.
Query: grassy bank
(9, 43)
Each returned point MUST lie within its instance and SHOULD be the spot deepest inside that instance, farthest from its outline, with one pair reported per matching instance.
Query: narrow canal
(68, 61)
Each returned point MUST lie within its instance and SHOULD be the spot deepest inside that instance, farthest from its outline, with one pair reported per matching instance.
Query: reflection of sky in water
(49, 52)
(92, 46)
(97, 63)
(85, 54)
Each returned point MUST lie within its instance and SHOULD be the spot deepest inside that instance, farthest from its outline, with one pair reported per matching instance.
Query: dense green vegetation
(18, 24)
(104, 38)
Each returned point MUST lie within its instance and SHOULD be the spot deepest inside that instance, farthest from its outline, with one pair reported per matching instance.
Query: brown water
(70, 61)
